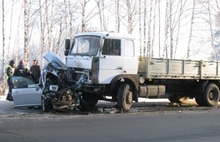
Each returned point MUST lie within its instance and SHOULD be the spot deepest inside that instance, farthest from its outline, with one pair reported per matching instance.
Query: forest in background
(188, 29)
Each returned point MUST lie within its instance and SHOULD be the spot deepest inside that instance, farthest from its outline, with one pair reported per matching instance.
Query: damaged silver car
(54, 91)
(57, 92)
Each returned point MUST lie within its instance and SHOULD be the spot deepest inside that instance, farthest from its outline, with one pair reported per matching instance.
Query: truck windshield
(86, 45)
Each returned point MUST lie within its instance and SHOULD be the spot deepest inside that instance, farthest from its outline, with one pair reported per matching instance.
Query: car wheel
(45, 104)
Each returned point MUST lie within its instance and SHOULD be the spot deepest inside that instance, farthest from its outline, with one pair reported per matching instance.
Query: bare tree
(191, 30)
(211, 30)
(26, 30)
(149, 29)
(140, 27)
(129, 15)
(171, 28)
(3, 46)
(144, 31)
(117, 16)
(42, 27)
(182, 4)
(83, 6)
(159, 28)
(166, 28)
(18, 39)
(153, 29)
(50, 26)
(10, 29)
(100, 4)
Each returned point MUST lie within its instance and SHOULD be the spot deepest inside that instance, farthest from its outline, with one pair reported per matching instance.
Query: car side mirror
(38, 87)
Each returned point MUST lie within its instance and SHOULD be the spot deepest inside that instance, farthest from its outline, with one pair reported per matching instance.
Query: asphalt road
(155, 121)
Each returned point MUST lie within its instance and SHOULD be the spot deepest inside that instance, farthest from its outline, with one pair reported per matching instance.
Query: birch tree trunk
(99, 4)
(83, 22)
(104, 18)
(159, 29)
(10, 29)
(145, 16)
(66, 18)
(26, 30)
(42, 30)
(140, 27)
(117, 16)
(191, 30)
(166, 29)
(149, 30)
(211, 31)
(171, 29)
(3, 46)
(16, 51)
(71, 21)
(182, 4)
(128, 4)
(153, 30)
(50, 29)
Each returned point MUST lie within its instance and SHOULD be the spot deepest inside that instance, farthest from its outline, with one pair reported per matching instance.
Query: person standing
(9, 73)
(35, 70)
(21, 70)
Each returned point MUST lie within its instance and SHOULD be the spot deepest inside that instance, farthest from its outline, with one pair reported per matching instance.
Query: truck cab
(102, 56)
(106, 58)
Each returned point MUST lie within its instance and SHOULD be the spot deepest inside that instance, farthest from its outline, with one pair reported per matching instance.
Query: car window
(23, 82)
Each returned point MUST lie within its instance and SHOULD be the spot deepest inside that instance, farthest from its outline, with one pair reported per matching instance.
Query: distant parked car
(26, 92)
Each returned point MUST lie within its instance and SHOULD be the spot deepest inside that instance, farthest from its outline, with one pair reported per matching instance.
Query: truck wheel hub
(211, 95)
(129, 97)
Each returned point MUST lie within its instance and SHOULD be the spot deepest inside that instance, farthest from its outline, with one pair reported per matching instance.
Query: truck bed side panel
(158, 68)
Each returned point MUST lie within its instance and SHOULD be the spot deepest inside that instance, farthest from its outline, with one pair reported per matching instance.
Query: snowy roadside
(7, 107)
(2, 97)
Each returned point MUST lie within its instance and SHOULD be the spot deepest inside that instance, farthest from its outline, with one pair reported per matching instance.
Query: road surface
(146, 122)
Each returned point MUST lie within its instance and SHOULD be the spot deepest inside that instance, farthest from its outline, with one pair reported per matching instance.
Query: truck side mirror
(67, 44)
(66, 52)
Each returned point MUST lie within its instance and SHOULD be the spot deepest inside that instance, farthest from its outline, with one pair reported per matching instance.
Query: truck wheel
(199, 100)
(91, 100)
(45, 104)
(124, 97)
(211, 95)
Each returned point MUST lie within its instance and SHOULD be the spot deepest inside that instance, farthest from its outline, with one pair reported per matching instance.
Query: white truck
(116, 73)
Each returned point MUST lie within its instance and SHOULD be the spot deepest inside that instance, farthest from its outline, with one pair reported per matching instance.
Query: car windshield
(86, 45)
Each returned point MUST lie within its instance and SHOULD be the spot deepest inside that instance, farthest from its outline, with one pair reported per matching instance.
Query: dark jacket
(22, 71)
(35, 70)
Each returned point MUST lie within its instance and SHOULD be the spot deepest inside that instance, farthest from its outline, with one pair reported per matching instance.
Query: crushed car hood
(55, 60)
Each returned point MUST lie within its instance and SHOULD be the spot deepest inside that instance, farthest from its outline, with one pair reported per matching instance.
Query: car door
(25, 92)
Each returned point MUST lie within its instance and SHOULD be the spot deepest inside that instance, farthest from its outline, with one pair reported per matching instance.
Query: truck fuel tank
(152, 91)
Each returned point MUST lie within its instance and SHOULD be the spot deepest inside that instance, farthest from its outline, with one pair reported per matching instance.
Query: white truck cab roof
(108, 35)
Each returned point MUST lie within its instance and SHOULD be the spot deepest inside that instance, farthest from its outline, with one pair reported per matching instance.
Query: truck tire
(45, 104)
(211, 95)
(124, 97)
(90, 99)
(200, 101)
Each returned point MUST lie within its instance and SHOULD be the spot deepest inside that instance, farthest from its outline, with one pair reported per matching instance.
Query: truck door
(111, 61)
(130, 60)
